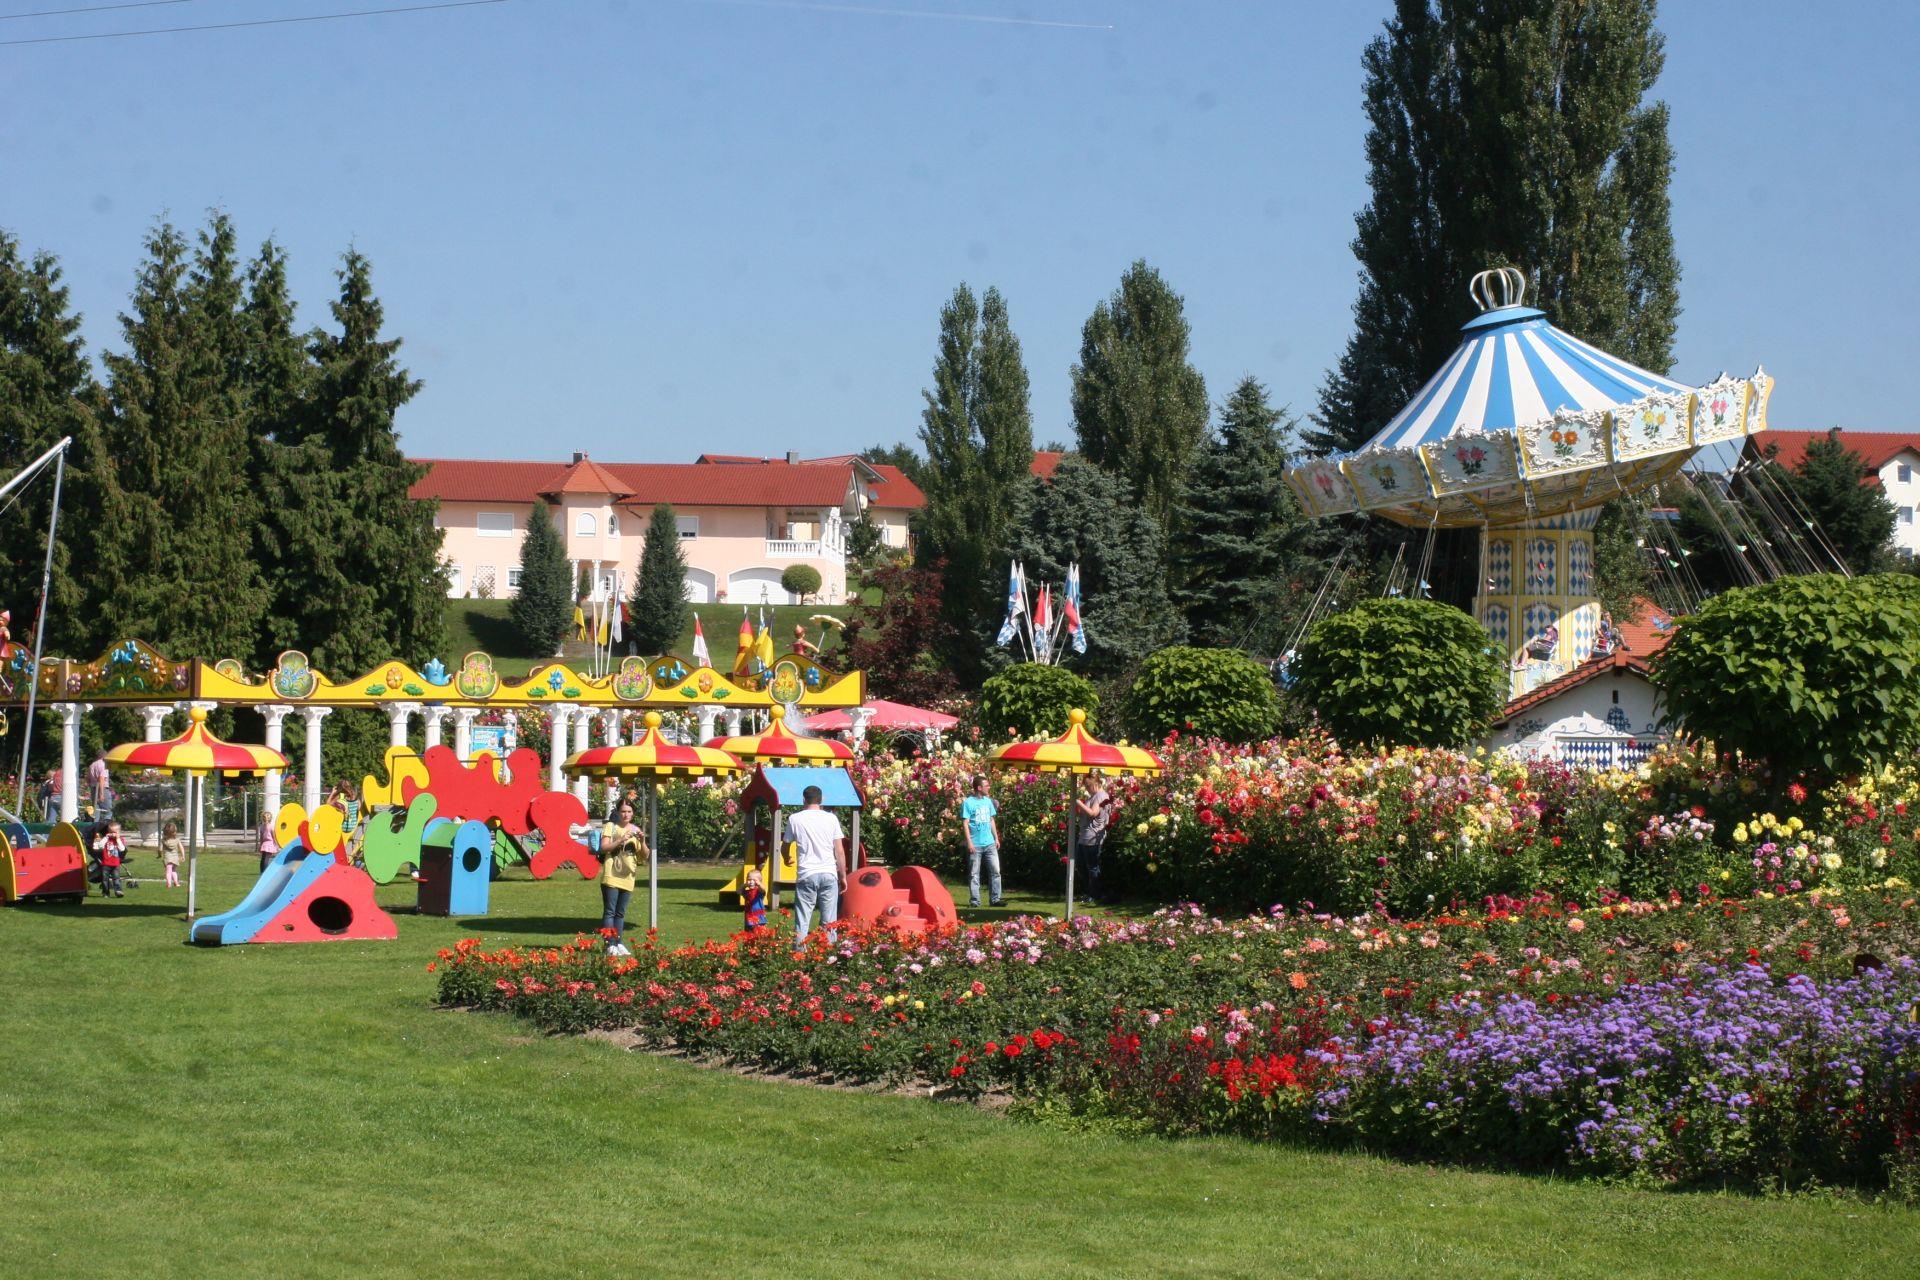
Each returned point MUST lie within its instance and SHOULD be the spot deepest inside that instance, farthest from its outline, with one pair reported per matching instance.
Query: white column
(582, 725)
(703, 716)
(434, 717)
(860, 716)
(733, 722)
(399, 715)
(557, 735)
(70, 713)
(610, 726)
(311, 790)
(463, 730)
(276, 740)
(152, 720)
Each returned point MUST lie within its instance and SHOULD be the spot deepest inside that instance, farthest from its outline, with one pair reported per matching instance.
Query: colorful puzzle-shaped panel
(405, 774)
(476, 791)
(554, 814)
(394, 839)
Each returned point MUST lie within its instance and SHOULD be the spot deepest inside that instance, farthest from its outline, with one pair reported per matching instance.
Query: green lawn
(304, 1111)
(483, 624)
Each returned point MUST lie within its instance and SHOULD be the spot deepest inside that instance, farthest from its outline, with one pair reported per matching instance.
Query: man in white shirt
(820, 865)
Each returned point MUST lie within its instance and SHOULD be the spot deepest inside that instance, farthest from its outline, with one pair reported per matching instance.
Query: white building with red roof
(742, 521)
(1604, 713)
(1892, 456)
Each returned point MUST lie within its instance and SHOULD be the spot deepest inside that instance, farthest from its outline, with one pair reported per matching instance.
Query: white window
(513, 578)
(613, 524)
(1906, 515)
(1906, 473)
(689, 526)
(584, 525)
(493, 524)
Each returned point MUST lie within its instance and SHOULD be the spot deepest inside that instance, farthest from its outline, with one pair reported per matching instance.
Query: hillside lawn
(305, 1111)
(483, 624)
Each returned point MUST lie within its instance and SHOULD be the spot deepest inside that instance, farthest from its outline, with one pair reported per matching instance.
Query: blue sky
(651, 227)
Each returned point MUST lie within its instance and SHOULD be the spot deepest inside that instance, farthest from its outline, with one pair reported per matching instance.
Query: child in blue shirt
(753, 897)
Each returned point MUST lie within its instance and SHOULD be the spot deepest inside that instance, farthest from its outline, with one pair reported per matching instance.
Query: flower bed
(1414, 831)
(1686, 1042)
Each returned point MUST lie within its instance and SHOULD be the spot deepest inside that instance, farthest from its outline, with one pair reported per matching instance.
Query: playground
(176, 1110)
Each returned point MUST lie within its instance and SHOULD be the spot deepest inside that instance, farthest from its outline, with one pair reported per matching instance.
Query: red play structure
(910, 900)
(56, 869)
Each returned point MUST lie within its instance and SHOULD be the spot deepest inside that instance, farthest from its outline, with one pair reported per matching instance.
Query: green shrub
(1031, 699)
(1217, 693)
(1819, 672)
(801, 581)
(1401, 673)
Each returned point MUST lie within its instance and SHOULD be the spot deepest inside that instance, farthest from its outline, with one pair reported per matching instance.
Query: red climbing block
(472, 792)
(336, 907)
(552, 813)
(924, 889)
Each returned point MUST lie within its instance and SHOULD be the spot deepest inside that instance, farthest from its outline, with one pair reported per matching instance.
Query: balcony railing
(796, 549)
(1604, 753)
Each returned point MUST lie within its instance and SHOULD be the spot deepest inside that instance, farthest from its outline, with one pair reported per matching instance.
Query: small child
(754, 899)
(111, 847)
(171, 851)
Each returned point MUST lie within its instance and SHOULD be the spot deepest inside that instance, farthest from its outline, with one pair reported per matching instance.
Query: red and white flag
(700, 655)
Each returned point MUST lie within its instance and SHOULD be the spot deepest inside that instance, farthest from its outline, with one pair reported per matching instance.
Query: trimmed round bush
(1813, 673)
(1216, 693)
(1031, 699)
(800, 580)
(1401, 673)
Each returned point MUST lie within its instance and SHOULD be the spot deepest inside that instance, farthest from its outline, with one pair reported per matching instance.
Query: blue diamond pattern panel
(1543, 570)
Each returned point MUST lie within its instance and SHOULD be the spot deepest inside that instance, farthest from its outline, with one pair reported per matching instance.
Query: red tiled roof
(585, 476)
(1046, 462)
(640, 484)
(1877, 448)
(895, 490)
(1592, 669)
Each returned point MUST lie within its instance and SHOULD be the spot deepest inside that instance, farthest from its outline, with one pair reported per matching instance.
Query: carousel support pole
(195, 784)
(40, 643)
(1073, 825)
(653, 855)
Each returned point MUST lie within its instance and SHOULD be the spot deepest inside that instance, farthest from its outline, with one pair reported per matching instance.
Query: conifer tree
(181, 453)
(389, 548)
(542, 612)
(1236, 518)
(1832, 483)
(977, 430)
(47, 391)
(1139, 405)
(660, 610)
(1085, 515)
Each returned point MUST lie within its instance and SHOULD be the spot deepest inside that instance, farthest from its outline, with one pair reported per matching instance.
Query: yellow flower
(1831, 861)
(1740, 834)
(1142, 829)
(919, 1004)
(1158, 819)
(1794, 823)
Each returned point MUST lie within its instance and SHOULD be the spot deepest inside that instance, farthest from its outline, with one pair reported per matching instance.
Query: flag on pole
(1012, 622)
(743, 657)
(619, 610)
(1075, 632)
(1042, 611)
(700, 655)
(763, 644)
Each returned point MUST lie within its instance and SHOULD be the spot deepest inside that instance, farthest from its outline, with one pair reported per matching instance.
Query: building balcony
(797, 549)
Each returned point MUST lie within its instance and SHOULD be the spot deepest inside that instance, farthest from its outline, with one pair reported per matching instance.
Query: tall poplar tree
(1235, 521)
(1517, 132)
(977, 432)
(181, 452)
(1139, 405)
(660, 609)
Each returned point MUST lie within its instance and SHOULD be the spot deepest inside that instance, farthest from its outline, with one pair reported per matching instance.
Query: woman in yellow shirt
(622, 846)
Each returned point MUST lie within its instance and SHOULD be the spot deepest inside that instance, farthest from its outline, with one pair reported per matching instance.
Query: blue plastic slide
(285, 878)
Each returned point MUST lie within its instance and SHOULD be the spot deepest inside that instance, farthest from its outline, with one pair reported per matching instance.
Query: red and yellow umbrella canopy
(196, 751)
(652, 755)
(1077, 751)
(776, 744)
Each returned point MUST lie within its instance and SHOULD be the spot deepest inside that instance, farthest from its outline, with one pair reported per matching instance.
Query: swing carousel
(1524, 433)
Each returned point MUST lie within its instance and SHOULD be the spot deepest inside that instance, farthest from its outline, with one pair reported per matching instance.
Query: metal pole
(1073, 823)
(774, 858)
(193, 847)
(856, 859)
(40, 629)
(653, 854)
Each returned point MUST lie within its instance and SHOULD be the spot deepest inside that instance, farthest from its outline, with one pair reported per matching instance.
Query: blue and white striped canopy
(1512, 370)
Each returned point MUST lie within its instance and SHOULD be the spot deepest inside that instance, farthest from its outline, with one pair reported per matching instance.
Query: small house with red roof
(1605, 713)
